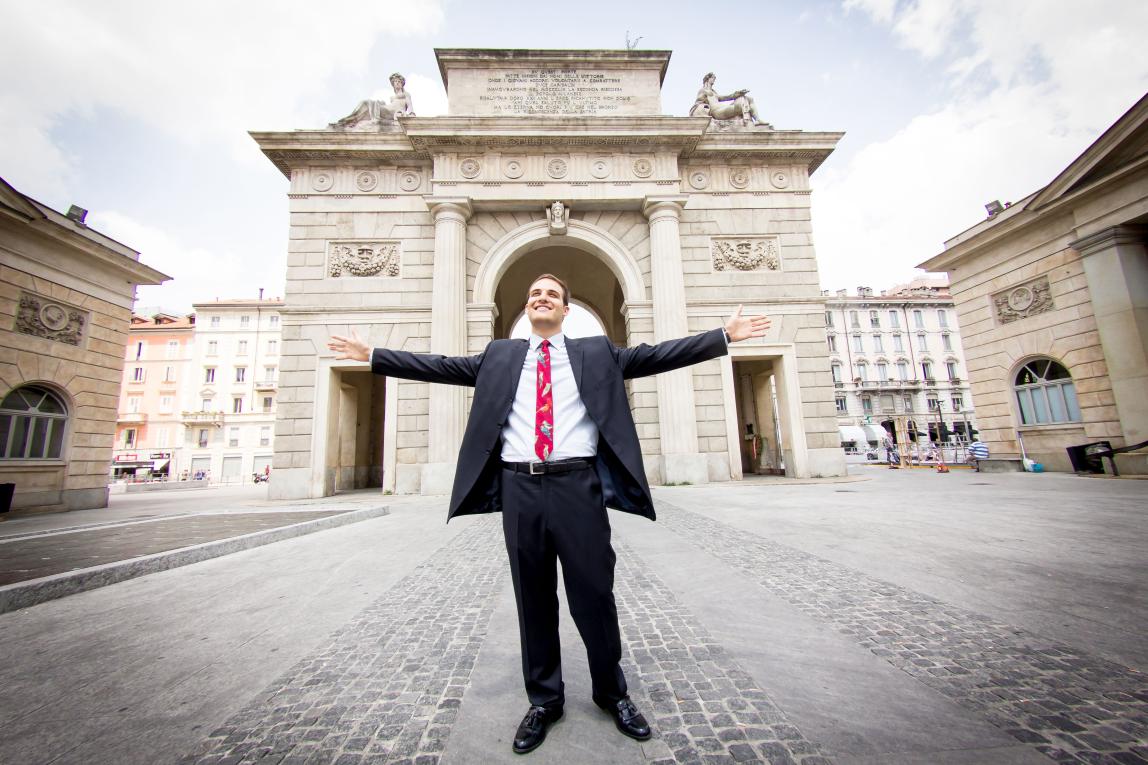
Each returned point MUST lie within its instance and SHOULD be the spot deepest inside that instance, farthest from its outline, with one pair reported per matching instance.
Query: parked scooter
(260, 477)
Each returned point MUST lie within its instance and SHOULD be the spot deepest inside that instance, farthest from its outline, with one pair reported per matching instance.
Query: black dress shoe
(532, 730)
(628, 719)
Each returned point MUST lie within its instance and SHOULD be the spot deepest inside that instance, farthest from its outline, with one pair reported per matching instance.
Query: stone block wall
(995, 351)
(87, 377)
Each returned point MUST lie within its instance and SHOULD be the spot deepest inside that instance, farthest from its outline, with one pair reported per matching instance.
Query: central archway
(601, 273)
(592, 285)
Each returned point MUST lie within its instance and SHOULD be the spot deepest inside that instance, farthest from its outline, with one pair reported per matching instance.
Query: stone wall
(87, 377)
(995, 351)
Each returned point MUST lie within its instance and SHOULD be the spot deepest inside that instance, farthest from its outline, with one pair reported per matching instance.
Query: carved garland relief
(745, 253)
(1024, 300)
(43, 317)
(363, 259)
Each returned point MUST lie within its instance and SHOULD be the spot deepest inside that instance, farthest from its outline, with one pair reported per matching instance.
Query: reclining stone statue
(373, 111)
(735, 106)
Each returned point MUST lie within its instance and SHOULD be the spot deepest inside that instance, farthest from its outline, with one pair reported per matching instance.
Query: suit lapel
(514, 368)
(574, 352)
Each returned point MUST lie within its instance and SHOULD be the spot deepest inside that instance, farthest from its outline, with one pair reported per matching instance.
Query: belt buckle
(536, 472)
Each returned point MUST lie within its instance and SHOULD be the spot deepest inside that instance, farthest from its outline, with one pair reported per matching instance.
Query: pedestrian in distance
(551, 443)
(978, 450)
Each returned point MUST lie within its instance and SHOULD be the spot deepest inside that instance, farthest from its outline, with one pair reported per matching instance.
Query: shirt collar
(557, 341)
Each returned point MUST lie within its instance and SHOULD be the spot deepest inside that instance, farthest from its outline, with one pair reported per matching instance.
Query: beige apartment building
(423, 233)
(229, 401)
(66, 294)
(1052, 294)
(198, 394)
(898, 353)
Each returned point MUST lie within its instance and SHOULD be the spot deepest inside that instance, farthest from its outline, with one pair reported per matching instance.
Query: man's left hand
(744, 327)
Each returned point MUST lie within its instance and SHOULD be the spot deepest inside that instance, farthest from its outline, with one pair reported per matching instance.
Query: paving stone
(389, 670)
(694, 691)
(1072, 706)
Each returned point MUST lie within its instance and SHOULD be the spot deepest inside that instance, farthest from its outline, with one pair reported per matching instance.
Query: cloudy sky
(139, 110)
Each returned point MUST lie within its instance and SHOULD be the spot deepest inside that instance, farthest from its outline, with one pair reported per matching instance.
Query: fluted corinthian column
(448, 336)
(677, 417)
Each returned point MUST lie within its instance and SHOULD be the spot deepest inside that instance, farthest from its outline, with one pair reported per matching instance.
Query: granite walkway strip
(703, 707)
(1071, 706)
(388, 685)
(42, 567)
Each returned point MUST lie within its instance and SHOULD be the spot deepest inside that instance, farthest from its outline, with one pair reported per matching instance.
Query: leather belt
(544, 468)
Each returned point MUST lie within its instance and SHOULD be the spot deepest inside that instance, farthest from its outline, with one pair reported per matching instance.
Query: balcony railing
(137, 418)
(204, 418)
(266, 385)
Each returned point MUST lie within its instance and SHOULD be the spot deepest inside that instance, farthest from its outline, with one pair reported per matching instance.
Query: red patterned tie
(544, 412)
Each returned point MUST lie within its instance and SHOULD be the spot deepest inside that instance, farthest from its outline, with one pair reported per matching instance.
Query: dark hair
(552, 277)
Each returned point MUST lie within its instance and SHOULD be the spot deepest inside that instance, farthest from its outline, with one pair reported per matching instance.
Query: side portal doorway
(759, 428)
(355, 432)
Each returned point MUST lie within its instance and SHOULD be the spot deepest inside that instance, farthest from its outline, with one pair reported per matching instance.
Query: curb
(34, 591)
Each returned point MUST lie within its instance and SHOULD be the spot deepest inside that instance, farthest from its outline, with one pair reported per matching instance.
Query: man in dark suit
(551, 443)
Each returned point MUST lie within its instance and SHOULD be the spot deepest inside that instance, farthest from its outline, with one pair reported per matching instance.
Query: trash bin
(1084, 457)
(7, 490)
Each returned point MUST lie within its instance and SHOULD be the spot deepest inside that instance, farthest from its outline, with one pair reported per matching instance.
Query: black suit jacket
(600, 370)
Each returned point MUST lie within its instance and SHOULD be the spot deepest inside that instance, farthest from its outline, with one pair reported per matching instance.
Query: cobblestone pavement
(702, 706)
(387, 686)
(32, 557)
(1071, 706)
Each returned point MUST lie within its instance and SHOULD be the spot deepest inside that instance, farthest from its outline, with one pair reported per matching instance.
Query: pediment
(12, 202)
(1123, 144)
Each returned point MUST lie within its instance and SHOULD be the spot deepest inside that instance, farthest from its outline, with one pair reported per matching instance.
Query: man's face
(544, 306)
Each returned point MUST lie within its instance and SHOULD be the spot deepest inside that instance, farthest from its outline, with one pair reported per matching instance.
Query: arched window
(1045, 393)
(32, 421)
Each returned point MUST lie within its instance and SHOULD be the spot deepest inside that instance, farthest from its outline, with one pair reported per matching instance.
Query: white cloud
(200, 71)
(1033, 84)
(198, 273)
(428, 94)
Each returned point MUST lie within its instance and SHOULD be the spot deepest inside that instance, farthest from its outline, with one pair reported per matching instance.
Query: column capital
(1110, 237)
(664, 205)
(447, 207)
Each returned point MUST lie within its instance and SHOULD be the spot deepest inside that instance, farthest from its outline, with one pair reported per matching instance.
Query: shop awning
(853, 433)
(160, 465)
(874, 432)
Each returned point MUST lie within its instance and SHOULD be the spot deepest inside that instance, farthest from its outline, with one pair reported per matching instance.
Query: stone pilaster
(1116, 264)
(681, 460)
(447, 405)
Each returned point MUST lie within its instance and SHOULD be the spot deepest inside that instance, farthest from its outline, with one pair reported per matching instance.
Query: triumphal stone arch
(423, 233)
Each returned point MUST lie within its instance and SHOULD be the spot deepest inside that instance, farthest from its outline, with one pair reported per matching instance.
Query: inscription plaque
(553, 83)
(555, 91)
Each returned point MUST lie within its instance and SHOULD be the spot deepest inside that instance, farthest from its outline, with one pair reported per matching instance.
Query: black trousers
(562, 517)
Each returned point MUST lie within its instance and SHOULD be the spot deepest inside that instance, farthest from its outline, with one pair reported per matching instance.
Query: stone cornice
(523, 134)
(812, 148)
(293, 148)
(419, 139)
(482, 58)
(1109, 237)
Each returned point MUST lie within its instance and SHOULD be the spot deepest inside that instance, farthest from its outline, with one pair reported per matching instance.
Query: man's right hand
(352, 347)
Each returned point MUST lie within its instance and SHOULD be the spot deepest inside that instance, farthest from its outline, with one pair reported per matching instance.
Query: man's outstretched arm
(644, 360)
(424, 367)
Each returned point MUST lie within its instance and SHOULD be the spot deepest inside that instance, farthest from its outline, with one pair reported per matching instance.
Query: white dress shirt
(575, 434)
